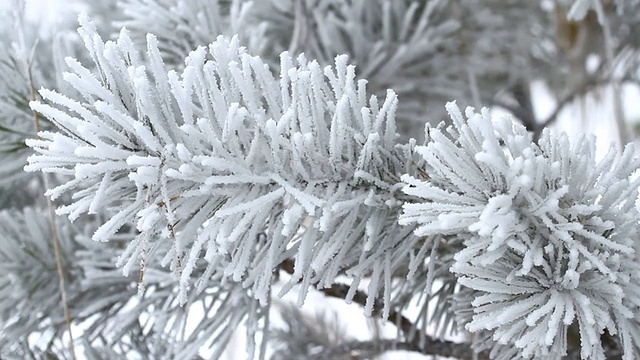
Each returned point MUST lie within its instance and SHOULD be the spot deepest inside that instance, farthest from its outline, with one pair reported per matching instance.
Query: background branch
(423, 344)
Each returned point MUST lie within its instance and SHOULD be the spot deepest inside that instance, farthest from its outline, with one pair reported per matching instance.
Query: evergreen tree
(214, 156)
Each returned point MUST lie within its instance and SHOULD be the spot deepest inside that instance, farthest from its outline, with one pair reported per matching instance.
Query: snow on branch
(548, 233)
(231, 164)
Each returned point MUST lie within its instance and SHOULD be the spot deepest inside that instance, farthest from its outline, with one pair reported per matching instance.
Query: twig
(566, 100)
(522, 94)
(422, 344)
(54, 230)
(618, 111)
(584, 88)
(525, 113)
(366, 349)
(340, 291)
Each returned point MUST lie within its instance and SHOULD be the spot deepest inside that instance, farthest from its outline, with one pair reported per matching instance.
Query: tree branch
(340, 291)
(423, 344)
(536, 127)
(581, 90)
(55, 239)
(367, 349)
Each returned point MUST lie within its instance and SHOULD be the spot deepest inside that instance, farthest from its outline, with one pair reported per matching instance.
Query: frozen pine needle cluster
(231, 171)
(230, 164)
(548, 233)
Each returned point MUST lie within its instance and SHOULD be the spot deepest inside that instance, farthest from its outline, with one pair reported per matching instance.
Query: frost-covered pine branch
(227, 163)
(548, 233)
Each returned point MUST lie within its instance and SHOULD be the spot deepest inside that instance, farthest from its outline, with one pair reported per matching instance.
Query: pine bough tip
(539, 227)
(205, 160)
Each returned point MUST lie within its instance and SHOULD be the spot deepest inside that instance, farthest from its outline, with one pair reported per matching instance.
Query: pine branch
(516, 299)
(369, 349)
(360, 297)
(421, 343)
(229, 161)
(582, 90)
